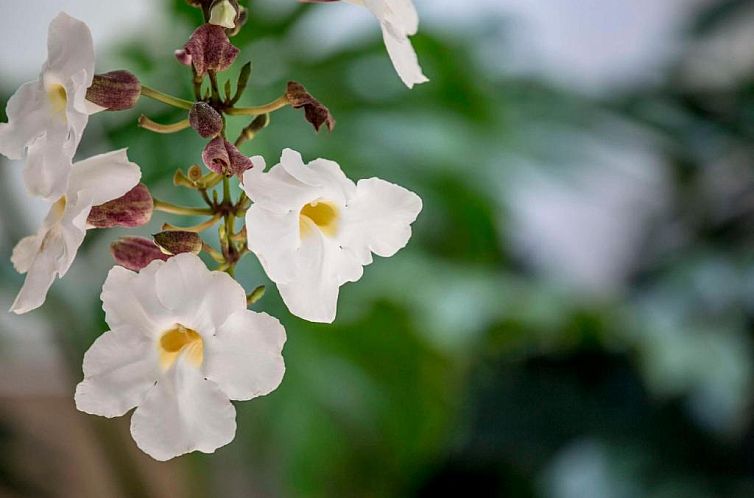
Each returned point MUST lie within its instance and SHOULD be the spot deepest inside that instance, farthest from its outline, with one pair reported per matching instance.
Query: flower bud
(316, 113)
(205, 120)
(115, 91)
(179, 242)
(132, 210)
(208, 49)
(135, 253)
(224, 13)
(224, 158)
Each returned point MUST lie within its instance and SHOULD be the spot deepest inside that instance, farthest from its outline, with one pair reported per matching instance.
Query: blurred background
(572, 319)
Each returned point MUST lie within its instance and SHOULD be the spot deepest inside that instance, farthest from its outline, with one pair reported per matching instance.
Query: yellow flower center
(58, 98)
(320, 213)
(59, 207)
(180, 340)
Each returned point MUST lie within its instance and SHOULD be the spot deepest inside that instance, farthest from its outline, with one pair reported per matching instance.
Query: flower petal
(119, 369)
(321, 267)
(183, 412)
(378, 219)
(129, 300)
(104, 177)
(41, 273)
(403, 55)
(48, 162)
(27, 119)
(70, 48)
(245, 357)
(198, 298)
(25, 252)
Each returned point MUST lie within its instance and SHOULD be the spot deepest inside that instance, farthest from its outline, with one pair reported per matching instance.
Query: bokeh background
(572, 319)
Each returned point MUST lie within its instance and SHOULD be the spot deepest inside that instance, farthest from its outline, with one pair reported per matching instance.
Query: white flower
(181, 345)
(399, 20)
(313, 229)
(47, 117)
(51, 251)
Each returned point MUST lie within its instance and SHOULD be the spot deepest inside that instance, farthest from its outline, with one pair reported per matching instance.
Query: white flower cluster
(182, 343)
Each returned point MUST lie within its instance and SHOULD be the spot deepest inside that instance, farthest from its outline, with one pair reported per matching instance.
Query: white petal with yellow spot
(313, 229)
(47, 117)
(181, 345)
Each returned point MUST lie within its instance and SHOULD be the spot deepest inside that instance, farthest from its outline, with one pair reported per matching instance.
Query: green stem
(150, 125)
(196, 228)
(167, 207)
(165, 98)
(262, 109)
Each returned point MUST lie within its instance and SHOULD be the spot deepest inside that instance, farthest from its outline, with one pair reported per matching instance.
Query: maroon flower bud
(205, 120)
(316, 113)
(115, 91)
(179, 242)
(132, 210)
(208, 49)
(135, 253)
(224, 158)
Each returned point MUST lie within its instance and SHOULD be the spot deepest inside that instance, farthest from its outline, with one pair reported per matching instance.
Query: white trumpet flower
(181, 345)
(313, 229)
(53, 248)
(47, 117)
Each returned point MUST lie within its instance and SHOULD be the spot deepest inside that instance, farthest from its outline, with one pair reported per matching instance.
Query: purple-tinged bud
(135, 253)
(179, 242)
(208, 49)
(224, 158)
(115, 91)
(183, 57)
(205, 120)
(132, 210)
(316, 113)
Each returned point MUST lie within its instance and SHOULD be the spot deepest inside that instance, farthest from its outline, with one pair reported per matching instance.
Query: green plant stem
(196, 228)
(262, 109)
(167, 207)
(150, 125)
(165, 98)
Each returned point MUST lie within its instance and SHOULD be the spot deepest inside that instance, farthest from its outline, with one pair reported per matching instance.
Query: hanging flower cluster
(182, 342)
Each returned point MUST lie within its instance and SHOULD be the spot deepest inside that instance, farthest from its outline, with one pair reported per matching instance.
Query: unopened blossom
(313, 229)
(115, 91)
(181, 346)
(135, 253)
(224, 158)
(399, 20)
(47, 117)
(208, 49)
(131, 210)
(51, 251)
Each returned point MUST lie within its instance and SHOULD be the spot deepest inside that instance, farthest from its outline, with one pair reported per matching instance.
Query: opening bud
(224, 158)
(314, 111)
(205, 120)
(224, 13)
(135, 253)
(132, 210)
(115, 91)
(208, 49)
(178, 242)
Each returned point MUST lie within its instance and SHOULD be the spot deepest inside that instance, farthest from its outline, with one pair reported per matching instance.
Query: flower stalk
(165, 98)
